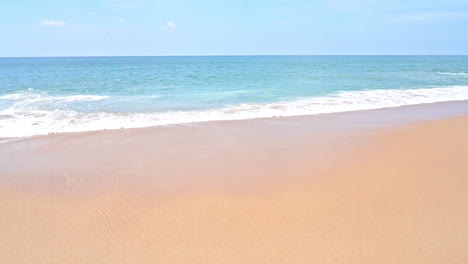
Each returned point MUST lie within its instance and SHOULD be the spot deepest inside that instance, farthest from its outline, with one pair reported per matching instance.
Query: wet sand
(382, 186)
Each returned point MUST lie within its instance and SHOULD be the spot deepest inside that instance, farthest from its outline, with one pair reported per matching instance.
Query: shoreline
(449, 109)
(384, 186)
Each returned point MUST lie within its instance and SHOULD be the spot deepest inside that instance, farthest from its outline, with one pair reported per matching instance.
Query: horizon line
(231, 55)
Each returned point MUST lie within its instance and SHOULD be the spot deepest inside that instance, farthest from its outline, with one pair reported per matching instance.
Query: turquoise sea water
(44, 95)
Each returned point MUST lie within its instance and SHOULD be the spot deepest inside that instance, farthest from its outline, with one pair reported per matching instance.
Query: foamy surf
(36, 97)
(21, 121)
(454, 73)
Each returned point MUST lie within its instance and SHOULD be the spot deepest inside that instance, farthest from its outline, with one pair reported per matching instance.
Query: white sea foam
(19, 122)
(37, 97)
(454, 73)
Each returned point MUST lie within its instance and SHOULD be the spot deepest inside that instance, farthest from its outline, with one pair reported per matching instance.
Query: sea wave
(34, 95)
(454, 73)
(38, 97)
(20, 122)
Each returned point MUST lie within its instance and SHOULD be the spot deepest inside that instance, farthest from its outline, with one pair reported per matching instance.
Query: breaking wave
(19, 121)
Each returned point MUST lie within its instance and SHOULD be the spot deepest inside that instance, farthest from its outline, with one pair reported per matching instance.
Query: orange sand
(188, 195)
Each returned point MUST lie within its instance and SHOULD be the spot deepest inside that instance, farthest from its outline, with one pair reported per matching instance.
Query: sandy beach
(379, 186)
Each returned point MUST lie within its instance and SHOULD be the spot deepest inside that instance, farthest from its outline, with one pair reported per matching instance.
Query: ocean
(53, 95)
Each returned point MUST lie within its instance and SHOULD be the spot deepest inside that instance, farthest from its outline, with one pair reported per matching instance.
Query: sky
(30, 28)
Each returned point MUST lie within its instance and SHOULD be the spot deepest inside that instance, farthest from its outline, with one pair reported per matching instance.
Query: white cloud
(53, 23)
(121, 20)
(170, 25)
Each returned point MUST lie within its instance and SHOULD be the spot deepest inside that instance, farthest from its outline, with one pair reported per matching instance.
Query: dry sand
(260, 191)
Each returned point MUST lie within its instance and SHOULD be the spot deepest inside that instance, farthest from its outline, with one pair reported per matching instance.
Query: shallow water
(44, 95)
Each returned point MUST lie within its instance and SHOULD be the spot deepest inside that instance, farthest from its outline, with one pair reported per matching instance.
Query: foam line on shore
(22, 119)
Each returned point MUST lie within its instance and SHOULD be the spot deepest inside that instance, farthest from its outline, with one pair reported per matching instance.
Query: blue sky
(219, 27)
